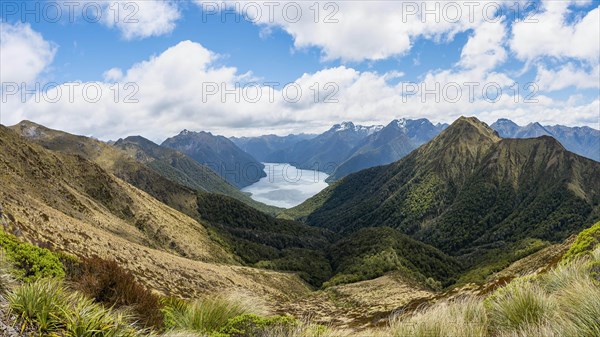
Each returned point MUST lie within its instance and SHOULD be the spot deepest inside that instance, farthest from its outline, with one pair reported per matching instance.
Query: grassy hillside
(71, 204)
(113, 161)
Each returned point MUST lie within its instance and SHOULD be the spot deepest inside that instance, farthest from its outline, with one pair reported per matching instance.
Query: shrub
(7, 281)
(39, 305)
(108, 283)
(585, 243)
(31, 262)
(251, 325)
(520, 304)
(462, 317)
(205, 315)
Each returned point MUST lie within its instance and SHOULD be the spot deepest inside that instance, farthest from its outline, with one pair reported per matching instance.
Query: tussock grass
(461, 317)
(47, 307)
(203, 315)
(565, 302)
(580, 309)
(88, 319)
(519, 305)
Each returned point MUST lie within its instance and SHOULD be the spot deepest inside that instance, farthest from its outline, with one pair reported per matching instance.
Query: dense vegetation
(470, 194)
(263, 241)
(372, 252)
(31, 262)
(585, 243)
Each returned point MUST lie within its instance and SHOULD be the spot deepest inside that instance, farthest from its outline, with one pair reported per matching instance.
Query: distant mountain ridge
(584, 141)
(347, 147)
(263, 147)
(220, 154)
(325, 151)
(387, 145)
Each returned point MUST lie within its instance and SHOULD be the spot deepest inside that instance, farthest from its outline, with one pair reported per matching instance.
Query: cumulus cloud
(485, 47)
(138, 19)
(553, 35)
(185, 88)
(567, 76)
(24, 53)
(359, 30)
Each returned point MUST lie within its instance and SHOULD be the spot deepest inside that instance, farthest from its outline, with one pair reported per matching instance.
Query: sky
(111, 69)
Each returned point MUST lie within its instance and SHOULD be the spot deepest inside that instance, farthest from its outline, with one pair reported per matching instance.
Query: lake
(286, 186)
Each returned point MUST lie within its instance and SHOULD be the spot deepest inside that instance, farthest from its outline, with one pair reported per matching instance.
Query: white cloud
(172, 96)
(360, 30)
(554, 36)
(24, 53)
(138, 19)
(485, 49)
(567, 76)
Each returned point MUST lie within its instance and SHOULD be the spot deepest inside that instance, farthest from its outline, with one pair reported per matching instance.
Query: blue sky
(368, 54)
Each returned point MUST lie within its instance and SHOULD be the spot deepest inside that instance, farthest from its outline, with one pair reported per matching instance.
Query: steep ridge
(183, 170)
(220, 154)
(72, 204)
(114, 161)
(468, 192)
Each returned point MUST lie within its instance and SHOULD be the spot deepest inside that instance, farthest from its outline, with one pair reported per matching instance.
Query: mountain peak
(350, 126)
(399, 123)
(472, 124)
(461, 145)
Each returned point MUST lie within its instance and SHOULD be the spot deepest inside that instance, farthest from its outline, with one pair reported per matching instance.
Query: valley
(460, 215)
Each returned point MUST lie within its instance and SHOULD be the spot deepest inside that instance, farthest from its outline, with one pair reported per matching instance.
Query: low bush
(585, 243)
(31, 262)
(107, 282)
(251, 325)
(7, 281)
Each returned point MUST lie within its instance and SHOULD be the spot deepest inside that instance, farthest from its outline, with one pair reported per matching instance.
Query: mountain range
(347, 148)
(469, 193)
(220, 154)
(269, 147)
(584, 141)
